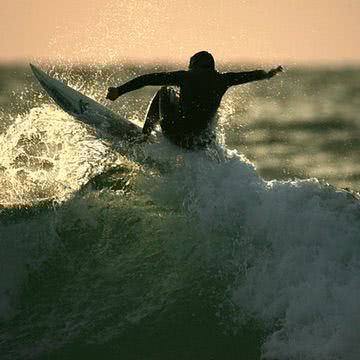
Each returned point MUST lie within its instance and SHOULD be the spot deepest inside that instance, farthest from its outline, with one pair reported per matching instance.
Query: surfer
(187, 119)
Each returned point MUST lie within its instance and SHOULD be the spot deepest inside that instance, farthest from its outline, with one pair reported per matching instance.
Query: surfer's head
(202, 60)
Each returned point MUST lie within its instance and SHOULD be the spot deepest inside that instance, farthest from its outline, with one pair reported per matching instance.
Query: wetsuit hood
(202, 60)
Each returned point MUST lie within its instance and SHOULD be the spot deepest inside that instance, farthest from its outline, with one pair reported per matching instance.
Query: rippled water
(151, 252)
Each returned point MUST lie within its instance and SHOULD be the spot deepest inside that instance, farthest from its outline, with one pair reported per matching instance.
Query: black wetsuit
(201, 91)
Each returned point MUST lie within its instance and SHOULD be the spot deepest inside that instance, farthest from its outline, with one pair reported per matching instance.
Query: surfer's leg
(169, 108)
(152, 114)
(163, 107)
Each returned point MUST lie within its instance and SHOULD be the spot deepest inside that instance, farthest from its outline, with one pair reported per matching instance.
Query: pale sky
(262, 31)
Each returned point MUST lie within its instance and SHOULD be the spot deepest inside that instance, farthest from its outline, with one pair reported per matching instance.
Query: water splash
(46, 155)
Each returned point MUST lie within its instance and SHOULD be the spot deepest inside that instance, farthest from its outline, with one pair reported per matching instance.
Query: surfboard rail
(85, 109)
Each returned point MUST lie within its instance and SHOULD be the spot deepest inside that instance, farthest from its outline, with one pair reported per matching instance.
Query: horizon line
(136, 61)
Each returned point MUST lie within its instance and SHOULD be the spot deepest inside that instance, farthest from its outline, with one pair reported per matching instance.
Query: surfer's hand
(275, 71)
(113, 93)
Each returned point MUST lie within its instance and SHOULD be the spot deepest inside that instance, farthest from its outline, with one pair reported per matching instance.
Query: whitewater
(148, 251)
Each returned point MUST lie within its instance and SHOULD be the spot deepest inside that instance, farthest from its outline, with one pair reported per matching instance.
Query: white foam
(46, 155)
(295, 251)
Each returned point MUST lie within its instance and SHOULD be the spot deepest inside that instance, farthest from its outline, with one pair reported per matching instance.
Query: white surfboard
(85, 109)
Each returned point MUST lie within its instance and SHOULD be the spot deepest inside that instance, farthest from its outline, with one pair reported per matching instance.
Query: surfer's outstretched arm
(163, 78)
(237, 78)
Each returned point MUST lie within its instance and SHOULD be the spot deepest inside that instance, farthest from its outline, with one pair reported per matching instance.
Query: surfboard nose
(39, 74)
(33, 68)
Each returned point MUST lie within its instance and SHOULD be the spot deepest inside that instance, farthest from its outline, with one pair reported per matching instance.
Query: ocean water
(247, 250)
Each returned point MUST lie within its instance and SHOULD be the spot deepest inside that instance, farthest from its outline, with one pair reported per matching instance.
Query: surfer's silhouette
(187, 119)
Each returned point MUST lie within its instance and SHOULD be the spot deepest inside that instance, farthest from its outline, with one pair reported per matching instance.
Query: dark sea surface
(247, 250)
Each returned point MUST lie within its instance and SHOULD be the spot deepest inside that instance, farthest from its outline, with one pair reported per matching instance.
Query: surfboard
(86, 109)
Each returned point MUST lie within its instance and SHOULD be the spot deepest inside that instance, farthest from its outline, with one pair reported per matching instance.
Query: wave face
(167, 253)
